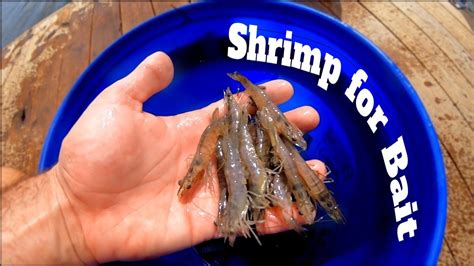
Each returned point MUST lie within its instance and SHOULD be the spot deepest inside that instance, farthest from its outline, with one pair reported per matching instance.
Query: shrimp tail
(236, 76)
(329, 204)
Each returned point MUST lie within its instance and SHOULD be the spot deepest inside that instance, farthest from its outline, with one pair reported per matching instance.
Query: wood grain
(317, 5)
(32, 88)
(452, 129)
(134, 13)
(106, 26)
(466, 19)
(451, 24)
(429, 54)
(449, 45)
(460, 225)
(160, 7)
(446, 258)
(76, 55)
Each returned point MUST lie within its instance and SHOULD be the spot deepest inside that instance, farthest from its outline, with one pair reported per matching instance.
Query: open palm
(120, 166)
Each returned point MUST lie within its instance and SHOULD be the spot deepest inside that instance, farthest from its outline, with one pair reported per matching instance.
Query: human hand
(119, 169)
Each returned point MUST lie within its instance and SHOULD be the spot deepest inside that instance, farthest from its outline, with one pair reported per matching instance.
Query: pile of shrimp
(258, 166)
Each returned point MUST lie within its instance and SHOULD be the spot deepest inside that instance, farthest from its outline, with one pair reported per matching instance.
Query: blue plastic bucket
(196, 37)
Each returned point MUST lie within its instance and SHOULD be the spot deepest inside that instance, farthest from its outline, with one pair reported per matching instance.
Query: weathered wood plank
(451, 128)
(466, 19)
(11, 53)
(460, 224)
(76, 55)
(164, 6)
(29, 94)
(451, 80)
(134, 13)
(318, 6)
(105, 26)
(451, 24)
(446, 42)
(446, 257)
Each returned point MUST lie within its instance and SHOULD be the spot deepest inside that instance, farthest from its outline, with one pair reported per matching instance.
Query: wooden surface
(432, 43)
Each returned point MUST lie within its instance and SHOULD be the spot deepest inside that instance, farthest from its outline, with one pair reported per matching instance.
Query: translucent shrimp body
(204, 152)
(303, 201)
(261, 99)
(237, 201)
(317, 189)
(282, 199)
(233, 112)
(222, 205)
(260, 172)
(235, 174)
(262, 143)
(257, 175)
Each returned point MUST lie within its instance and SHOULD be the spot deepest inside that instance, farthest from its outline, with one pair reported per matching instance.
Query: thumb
(151, 76)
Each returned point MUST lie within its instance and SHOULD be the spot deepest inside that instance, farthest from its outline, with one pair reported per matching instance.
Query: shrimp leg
(257, 176)
(317, 189)
(237, 204)
(303, 201)
(282, 200)
(235, 175)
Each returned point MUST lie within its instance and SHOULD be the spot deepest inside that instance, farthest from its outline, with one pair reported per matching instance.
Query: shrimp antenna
(328, 170)
(324, 219)
(208, 176)
(328, 180)
(189, 159)
(251, 231)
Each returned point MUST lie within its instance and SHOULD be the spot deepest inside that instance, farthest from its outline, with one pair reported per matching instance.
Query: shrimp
(317, 189)
(257, 176)
(203, 154)
(221, 211)
(282, 200)
(303, 201)
(262, 145)
(235, 174)
(234, 112)
(237, 204)
(261, 99)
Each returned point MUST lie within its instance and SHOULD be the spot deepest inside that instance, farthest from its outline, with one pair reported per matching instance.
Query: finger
(150, 77)
(306, 118)
(275, 221)
(319, 168)
(278, 90)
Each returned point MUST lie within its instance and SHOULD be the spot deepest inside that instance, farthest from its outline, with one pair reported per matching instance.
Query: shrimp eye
(180, 182)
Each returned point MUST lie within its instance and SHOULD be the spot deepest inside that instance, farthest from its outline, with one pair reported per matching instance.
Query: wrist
(71, 229)
(39, 226)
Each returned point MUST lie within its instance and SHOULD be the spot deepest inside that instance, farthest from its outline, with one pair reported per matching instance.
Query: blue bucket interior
(196, 38)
